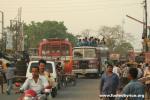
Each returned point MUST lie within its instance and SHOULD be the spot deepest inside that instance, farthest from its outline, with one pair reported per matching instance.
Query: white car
(49, 65)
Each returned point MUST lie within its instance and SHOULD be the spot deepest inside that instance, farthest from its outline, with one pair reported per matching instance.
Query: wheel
(97, 75)
(74, 82)
(77, 76)
(64, 83)
(59, 86)
(54, 92)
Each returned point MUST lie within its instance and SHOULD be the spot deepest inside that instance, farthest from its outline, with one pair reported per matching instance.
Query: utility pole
(17, 29)
(122, 36)
(2, 29)
(145, 37)
(145, 18)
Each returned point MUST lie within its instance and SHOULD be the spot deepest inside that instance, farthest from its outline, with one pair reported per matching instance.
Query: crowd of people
(126, 79)
(90, 41)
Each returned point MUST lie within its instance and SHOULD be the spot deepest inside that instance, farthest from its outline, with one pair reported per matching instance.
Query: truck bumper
(85, 71)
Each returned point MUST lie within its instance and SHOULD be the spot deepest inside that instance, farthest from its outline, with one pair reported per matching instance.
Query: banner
(114, 56)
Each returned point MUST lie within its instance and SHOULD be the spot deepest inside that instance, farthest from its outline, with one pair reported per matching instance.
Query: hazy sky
(79, 15)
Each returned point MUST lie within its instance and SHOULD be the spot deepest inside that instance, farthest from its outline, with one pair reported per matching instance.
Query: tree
(123, 48)
(36, 31)
(114, 39)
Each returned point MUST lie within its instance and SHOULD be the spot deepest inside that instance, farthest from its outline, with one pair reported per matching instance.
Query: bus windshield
(62, 50)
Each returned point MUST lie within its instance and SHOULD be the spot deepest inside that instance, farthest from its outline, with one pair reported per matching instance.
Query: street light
(2, 21)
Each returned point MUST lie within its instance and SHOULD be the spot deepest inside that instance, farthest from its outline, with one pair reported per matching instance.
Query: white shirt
(116, 70)
(140, 73)
(37, 87)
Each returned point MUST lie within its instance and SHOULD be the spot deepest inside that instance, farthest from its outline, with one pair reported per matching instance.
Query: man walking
(134, 90)
(109, 83)
(9, 76)
(1, 77)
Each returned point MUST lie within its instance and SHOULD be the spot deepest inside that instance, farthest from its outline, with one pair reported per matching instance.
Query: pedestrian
(79, 43)
(140, 71)
(147, 82)
(125, 75)
(1, 77)
(3, 66)
(134, 87)
(109, 83)
(9, 76)
(116, 70)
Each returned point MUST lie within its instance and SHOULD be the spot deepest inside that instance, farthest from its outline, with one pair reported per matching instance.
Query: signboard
(114, 56)
(9, 41)
(131, 56)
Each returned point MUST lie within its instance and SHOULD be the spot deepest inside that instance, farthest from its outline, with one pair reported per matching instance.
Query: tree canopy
(115, 40)
(36, 31)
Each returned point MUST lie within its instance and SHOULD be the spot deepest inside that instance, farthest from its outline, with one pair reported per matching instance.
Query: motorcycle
(32, 95)
(70, 78)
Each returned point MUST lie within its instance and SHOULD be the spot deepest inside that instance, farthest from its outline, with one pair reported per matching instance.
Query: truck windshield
(78, 53)
(84, 53)
(62, 50)
(89, 53)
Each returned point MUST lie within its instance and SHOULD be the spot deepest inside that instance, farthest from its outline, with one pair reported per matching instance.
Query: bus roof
(55, 41)
(85, 47)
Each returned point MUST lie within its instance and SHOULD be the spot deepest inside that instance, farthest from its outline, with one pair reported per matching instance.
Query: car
(49, 65)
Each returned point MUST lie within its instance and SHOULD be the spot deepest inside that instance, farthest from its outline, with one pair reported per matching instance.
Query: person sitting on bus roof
(94, 42)
(103, 41)
(86, 41)
(79, 43)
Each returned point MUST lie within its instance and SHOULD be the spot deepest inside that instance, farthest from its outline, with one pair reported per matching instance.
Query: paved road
(86, 89)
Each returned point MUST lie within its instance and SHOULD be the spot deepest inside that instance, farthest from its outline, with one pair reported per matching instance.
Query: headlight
(28, 98)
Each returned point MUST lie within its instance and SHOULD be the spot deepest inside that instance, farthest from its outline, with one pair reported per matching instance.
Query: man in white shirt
(35, 83)
(116, 70)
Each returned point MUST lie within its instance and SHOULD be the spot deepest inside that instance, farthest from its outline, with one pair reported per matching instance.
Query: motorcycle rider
(60, 74)
(35, 82)
(42, 65)
(42, 71)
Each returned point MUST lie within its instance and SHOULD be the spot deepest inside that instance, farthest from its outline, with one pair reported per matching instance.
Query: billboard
(9, 40)
(114, 56)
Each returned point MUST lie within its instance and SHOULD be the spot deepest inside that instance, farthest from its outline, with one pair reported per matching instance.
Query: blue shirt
(109, 84)
(10, 72)
(134, 87)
